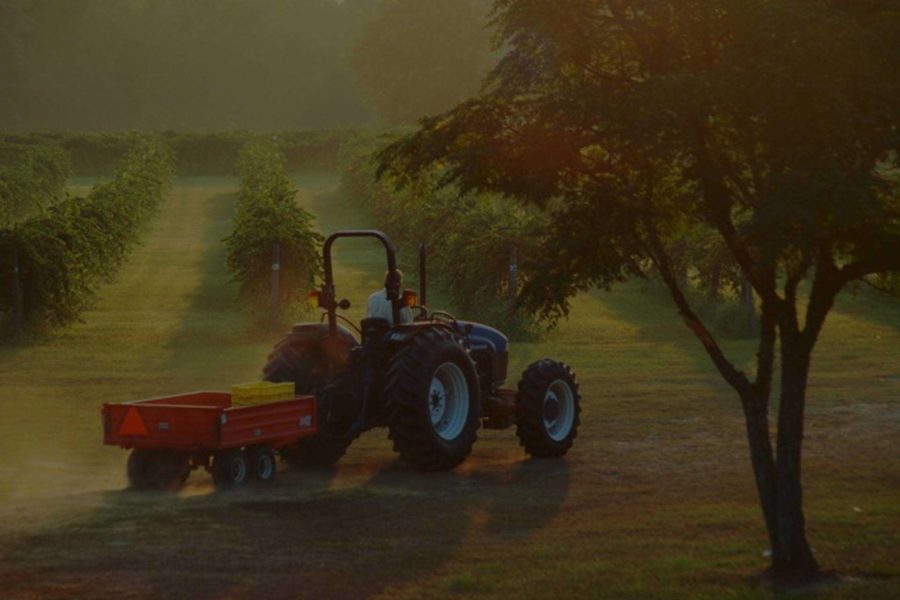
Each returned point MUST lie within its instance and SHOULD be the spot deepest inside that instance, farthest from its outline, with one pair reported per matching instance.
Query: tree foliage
(636, 123)
(469, 236)
(74, 244)
(268, 214)
(34, 177)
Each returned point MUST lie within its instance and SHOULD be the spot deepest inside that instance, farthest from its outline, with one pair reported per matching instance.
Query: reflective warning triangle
(133, 424)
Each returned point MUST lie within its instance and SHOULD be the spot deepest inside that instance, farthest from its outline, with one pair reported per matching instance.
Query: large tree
(772, 125)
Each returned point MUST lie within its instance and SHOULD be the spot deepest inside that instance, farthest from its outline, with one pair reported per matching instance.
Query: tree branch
(716, 198)
(787, 309)
(827, 283)
(885, 259)
(883, 290)
(737, 379)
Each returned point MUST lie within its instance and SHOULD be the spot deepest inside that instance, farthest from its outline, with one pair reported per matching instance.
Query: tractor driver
(379, 306)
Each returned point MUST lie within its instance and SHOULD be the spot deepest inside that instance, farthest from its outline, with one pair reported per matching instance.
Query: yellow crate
(261, 392)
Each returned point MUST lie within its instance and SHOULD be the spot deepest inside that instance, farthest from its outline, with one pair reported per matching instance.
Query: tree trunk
(761, 459)
(755, 402)
(792, 558)
(777, 479)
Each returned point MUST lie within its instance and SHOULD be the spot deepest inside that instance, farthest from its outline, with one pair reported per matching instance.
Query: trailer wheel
(547, 409)
(432, 391)
(262, 464)
(157, 469)
(230, 468)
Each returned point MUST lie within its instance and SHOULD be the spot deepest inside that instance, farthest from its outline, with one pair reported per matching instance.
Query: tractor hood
(483, 336)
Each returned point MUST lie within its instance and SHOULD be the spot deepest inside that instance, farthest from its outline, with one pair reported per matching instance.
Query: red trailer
(171, 435)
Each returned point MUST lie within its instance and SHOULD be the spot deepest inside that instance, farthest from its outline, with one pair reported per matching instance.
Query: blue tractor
(432, 381)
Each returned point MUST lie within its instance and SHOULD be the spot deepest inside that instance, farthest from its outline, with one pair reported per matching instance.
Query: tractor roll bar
(392, 280)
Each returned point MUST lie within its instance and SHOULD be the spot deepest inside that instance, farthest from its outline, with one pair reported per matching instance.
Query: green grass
(655, 500)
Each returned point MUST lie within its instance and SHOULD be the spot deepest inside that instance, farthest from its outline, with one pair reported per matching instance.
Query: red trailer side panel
(178, 426)
(200, 421)
(276, 424)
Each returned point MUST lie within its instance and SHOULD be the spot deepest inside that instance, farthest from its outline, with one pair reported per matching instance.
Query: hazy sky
(94, 65)
(111, 65)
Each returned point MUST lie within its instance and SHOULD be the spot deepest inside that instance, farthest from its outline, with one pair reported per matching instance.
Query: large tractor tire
(432, 391)
(548, 406)
(306, 356)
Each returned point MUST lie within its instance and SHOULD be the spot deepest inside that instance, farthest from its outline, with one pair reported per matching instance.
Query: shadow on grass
(869, 305)
(214, 316)
(310, 535)
(656, 320)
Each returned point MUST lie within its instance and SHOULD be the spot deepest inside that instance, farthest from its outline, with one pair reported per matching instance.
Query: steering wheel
(442, 315)
(423, 312)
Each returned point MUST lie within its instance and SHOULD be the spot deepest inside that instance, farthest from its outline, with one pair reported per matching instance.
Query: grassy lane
(655, 501)
(142, 324)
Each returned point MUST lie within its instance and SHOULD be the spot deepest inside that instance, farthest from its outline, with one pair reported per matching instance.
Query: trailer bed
(206, 421)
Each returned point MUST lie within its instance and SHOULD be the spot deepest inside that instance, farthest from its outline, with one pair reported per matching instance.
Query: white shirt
(379, 307)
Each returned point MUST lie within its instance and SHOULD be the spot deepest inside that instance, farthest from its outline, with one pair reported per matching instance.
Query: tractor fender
(489, 349)
(402, 334)
(484, 337)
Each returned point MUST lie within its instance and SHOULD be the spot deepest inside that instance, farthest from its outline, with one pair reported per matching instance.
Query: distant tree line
(212, 153)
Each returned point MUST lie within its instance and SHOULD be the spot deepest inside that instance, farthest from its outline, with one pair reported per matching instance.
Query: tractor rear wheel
(306, 356)
(547, 409)
(432, 392)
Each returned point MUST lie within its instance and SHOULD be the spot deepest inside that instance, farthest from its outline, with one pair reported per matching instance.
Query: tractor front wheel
(432, 392)
(547, 409)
